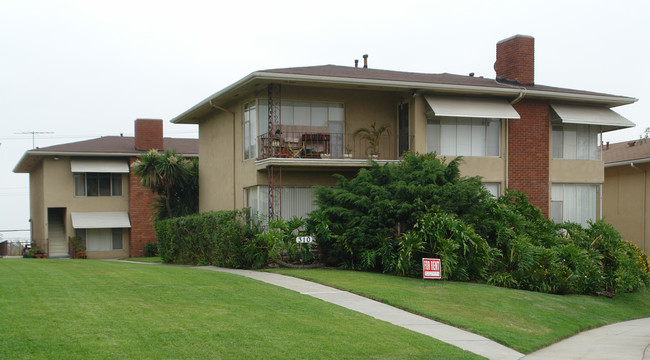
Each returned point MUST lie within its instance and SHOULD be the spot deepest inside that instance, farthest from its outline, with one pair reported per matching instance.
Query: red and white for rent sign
(431, 269)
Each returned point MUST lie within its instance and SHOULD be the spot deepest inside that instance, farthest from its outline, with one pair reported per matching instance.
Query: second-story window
(97, 184)
(250, 130)
(297, 118)
(451, 136)
(575, 142)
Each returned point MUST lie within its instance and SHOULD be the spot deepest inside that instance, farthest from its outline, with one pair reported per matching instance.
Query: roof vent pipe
(365, 61)
(356, 63)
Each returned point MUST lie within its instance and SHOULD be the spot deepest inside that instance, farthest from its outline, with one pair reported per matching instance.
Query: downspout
(522, 93)
(234, 150)
(645, 201)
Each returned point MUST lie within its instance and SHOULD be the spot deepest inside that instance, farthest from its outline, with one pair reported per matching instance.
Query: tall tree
(173, 178)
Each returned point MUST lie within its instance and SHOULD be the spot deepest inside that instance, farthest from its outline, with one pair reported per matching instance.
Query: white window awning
(99, 166)
(472, 107)
(591, 115)
(100, 220)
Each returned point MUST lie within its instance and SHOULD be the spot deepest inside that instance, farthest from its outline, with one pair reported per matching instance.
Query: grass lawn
(522, 320)
(81, 309)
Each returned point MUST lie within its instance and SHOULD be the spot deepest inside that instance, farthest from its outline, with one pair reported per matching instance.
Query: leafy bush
(280, 242)
(223, 238)
(150, 249)
(388, 217)
(464, 255)
(358, 217)
(231, 239)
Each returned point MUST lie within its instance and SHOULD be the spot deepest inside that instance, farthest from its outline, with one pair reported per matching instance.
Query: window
(573, 202)
(296, 200)
(322, 116)
(97, 184)
(117, 239)
(493, 188)
(463, 136)
(101, 239)
(576, 142)
(250, 130)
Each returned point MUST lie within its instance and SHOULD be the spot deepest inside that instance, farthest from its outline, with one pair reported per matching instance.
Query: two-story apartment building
(86, 189)
(267, 139)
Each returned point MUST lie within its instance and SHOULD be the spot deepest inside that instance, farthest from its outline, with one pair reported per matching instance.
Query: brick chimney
(516, 60)
(148, 134)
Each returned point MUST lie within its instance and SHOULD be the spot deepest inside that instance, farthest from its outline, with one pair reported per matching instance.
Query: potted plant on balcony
(348, 152)
(372, 135)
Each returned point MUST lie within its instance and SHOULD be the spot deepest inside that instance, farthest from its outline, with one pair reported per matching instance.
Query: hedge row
(223, 238)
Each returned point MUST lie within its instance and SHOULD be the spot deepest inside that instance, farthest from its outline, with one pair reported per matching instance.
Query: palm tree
(166, 174)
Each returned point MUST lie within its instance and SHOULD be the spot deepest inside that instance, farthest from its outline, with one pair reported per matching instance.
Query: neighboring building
(268, 138)
(626, 190)
(86, 189)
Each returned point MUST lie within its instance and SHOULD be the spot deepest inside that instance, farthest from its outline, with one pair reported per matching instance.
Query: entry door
(403, 123)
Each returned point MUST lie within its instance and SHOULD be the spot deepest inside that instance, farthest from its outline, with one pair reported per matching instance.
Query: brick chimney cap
(515, 36)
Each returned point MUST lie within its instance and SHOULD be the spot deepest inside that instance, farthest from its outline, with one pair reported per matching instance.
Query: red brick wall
(140, 213)
(148, 134)
(516, 59)
(529, 152)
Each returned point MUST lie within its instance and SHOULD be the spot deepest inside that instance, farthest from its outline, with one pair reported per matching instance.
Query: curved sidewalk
(621, 341)
(443, 332)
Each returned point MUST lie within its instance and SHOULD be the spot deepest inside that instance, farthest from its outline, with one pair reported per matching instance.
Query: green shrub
(464, 255)
(150, 249)
(381, 220)
(280, 241)
(223, 238)
(357, 217)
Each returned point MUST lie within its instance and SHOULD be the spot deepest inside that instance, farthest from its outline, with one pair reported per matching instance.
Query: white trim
(100, 220)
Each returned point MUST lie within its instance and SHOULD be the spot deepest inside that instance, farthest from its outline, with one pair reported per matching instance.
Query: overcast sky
(84, 69)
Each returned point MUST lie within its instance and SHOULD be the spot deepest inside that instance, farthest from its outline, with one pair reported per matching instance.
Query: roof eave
(22, 166)
(189, 116)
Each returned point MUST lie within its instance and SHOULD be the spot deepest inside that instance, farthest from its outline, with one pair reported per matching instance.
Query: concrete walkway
(621, 341)
(449, 334)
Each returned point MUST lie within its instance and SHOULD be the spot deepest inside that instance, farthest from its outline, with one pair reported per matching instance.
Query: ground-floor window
(101, 239)
(296, 200)
(493, 188)
(573, 202)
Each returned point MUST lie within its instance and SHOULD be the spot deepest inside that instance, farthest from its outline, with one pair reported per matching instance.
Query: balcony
(326, 146)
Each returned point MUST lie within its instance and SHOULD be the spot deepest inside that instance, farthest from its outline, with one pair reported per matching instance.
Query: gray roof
(351, 77)
(113, 146)
(626, 152)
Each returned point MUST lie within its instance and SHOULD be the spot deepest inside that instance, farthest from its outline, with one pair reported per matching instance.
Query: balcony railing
(312, 145)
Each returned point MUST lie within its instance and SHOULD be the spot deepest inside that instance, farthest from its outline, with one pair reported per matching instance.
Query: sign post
(431, 269)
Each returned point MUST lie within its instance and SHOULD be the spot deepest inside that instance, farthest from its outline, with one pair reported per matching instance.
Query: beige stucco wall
(576, 171)
(56, 180)
(217, 159)
(625, 202)
(37, 210)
